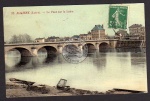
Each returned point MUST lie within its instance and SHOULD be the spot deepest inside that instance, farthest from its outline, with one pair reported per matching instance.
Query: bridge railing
(59, 42)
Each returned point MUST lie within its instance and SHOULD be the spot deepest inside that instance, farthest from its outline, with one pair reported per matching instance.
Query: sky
(64, 20)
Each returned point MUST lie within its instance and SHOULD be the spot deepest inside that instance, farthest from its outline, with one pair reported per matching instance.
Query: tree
(22, 38)
(27, 38)
(14, 39)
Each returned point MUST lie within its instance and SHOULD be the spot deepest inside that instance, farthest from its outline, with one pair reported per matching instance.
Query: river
(100, 71)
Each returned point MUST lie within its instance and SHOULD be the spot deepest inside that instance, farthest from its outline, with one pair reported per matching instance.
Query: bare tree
(27, 38)
(14, 39)
(22, 38)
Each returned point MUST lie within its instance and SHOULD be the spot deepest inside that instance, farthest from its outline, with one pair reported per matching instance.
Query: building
(137, 30)
(61, 39)
(89, 36)
(83, 36)
(98, 32)
(86, 36)
(40, 40)
(52, 39)
(121, 34)
(67, 39)
(75, 37)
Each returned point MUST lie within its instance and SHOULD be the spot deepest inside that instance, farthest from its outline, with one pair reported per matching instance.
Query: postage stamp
(118, 17)
(75, 53)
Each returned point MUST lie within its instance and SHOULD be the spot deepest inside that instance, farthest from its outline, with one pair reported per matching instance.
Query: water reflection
(138, 59)
(24, 62)
(101, 70)
(135, 50)
(20, 63)
(98, 58)
(10, 62)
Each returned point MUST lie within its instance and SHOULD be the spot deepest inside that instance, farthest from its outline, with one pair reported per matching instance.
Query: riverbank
(14, 89)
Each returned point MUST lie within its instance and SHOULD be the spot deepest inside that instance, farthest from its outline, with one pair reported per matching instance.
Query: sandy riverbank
(37, 90)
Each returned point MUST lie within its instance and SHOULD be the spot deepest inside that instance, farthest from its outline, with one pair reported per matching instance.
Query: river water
(100, 71)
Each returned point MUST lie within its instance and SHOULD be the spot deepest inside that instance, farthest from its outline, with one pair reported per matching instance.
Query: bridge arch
(70, 48)
(51, 50)
(23, 51)
(90, 46)
(104, 45)
(71, 44)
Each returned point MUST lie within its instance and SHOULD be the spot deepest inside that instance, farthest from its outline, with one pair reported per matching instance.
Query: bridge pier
(113, 43)
(97, 46)
(60, 48)
(80, 48)
(34, 52)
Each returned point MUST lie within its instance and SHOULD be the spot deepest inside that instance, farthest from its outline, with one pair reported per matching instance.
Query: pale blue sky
(80, 21)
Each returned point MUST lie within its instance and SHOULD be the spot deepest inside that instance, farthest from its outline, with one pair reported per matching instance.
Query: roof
(89, 32)
(52, 37)
(98, 27)
(135, 26)
(39, 38)
(66, 38)
(75, 36)
(83, 34)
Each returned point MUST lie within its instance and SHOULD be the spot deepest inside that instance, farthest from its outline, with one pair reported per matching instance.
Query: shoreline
(15, 89)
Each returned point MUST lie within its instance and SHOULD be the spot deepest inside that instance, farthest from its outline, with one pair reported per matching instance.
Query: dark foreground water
(101, 71)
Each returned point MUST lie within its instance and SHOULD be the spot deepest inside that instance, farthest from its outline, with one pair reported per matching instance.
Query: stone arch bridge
(31, 49)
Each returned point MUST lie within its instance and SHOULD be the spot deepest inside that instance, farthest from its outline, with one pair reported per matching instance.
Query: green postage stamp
(118, 17)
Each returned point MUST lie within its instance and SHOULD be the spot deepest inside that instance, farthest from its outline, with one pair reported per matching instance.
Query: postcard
(74, 50)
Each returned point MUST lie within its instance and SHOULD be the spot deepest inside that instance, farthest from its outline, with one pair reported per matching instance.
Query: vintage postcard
(75, 50)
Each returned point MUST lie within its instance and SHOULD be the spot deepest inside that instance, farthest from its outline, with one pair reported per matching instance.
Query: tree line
(22, 38)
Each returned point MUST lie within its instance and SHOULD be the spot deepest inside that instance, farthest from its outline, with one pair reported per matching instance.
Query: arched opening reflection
(12, 58)
(104, 47)
(91, 48)
(15, 58)
(47, 54)
(47, 51)
(23, 51)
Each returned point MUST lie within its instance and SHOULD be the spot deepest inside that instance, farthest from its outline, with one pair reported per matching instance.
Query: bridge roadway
(31, 49)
